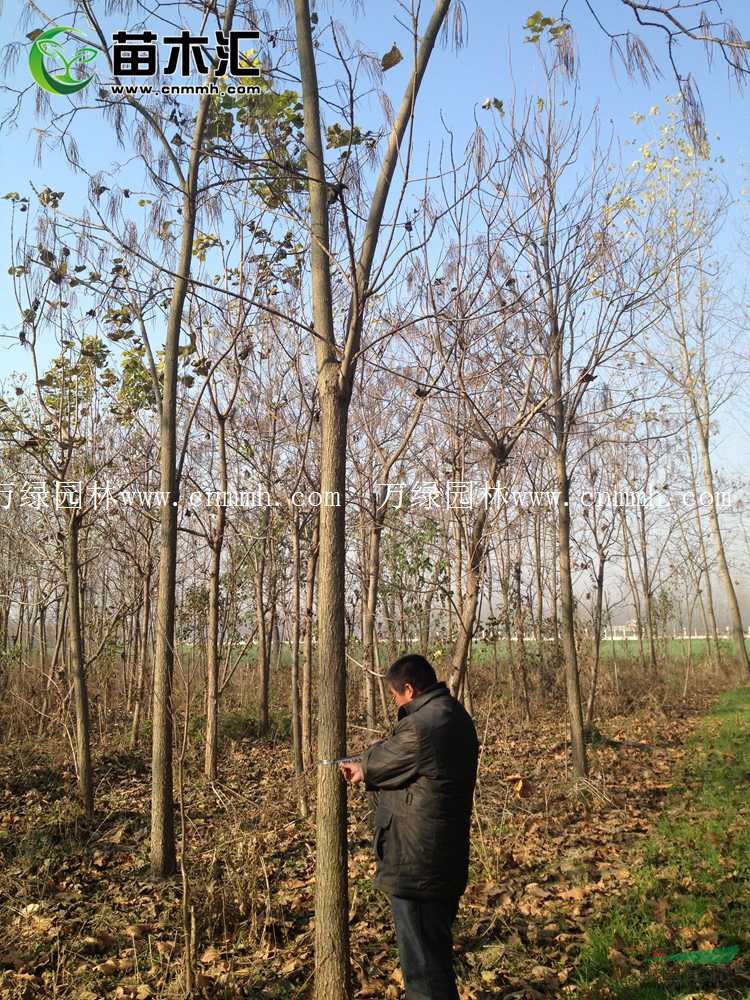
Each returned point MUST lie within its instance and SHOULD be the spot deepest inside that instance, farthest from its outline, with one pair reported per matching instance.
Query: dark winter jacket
(424, 775)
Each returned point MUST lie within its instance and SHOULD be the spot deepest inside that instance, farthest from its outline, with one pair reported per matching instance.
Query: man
(424, 776)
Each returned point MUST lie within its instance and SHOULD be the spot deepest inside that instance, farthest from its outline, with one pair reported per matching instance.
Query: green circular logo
(47, 48)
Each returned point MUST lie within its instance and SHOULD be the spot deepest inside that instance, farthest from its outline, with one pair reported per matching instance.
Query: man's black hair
(411, 669)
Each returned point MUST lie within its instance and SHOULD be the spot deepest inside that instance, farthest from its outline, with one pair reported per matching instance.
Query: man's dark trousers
(425, 946)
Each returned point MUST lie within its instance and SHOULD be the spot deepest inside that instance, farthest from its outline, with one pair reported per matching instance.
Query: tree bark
(163, 855)
(370, 611)
(710, 618)
(696, 387)
(331, 896)
(210, 762)
(60, 626)
(261, 656)
(520, 639)
(294, 692)
(140, 679)
(647, 592)
(567, 619)
(597, 637)
(78, 666)
(335, 375)
(468, 599)
(630, 577)
(730, 594)
(307, 659)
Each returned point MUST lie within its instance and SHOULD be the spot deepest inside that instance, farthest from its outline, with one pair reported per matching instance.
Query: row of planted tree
(446, 541)
(305, 393)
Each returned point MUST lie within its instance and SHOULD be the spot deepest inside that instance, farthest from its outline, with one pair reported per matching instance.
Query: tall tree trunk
(503, 565)
(31, 623)
(710, 620)
(695, 383)
(647, 592)
(335, 376)
(539, 574)
(458, 569)
(275, 648)
(332, 969)
(60, 626)
(630, 577)
(521, 640)
(307, 659)
(43, 666)
(370, 611)
(131, 645)
(468, 599)
(262, 648)
(210, 761)
(211, 749)
(142, 658)
(22, 603)
(567, 620)
(163, 855)
(730, 594)
(555, 594)
(389, 619)
(294, 694)
(78, 666)
(597, 637)
(331, 896)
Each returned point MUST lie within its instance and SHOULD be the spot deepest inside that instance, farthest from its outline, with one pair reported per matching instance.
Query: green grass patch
(621, 649)
(242, 725)
(694, 884)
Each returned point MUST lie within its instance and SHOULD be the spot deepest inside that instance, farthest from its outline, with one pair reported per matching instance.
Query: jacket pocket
(383, 817)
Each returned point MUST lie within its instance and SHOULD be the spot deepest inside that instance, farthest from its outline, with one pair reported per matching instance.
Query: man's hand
(352, 773)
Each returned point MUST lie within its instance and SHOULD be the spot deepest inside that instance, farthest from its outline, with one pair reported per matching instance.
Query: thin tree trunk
(521, 642)
(370, 611)
(539, 572)
(21, 615)
(135, 726)
(711, 626)
(163, 853)
(630, 576)
(131, 643)
(730, 595)
(211, 749)
(597, 638)
(61, 622)
(294, 693)
(647, 594)
(695, 383)
(78, 667)
(469, 600)
(307, 660)
(211, 754)
(555, 595)
(572, 683)
(43, 647)
(262, 649)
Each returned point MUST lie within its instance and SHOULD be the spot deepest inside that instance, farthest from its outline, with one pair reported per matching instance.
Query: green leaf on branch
(204, 242)
(537, 24)
(336, 136)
